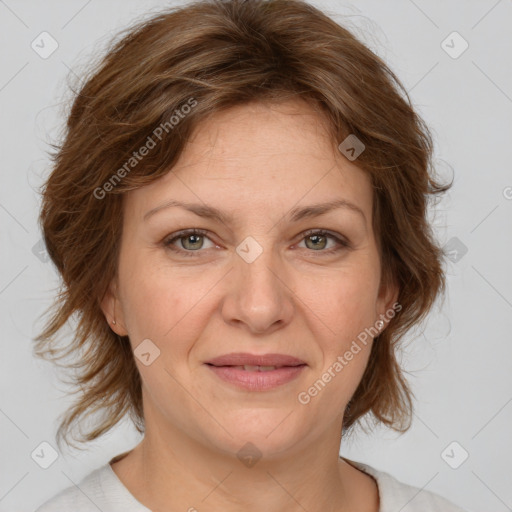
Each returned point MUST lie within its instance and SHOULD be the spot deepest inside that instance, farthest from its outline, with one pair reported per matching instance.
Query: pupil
(316, 238)
(192, 237)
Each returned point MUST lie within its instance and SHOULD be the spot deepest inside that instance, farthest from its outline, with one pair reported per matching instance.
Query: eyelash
(182, 234)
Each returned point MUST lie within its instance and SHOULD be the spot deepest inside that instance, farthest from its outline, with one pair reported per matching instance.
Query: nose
(259, 294)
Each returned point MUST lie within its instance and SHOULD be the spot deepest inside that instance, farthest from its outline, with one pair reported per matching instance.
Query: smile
(257, 378)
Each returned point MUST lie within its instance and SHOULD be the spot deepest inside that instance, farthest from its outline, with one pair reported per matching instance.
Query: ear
(387, 305)
(112, 309)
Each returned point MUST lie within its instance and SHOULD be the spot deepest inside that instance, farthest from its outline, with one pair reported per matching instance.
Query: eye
(319, 238)
(192, 240)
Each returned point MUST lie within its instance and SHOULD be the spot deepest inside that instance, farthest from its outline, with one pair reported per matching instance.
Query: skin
(257, 162)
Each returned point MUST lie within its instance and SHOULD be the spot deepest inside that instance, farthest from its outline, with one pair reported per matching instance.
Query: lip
(244, 358)
(255, 380)
(227, 368)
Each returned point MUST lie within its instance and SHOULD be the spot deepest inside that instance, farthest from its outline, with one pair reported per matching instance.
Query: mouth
(256, 377)
(256, 362)
(255, 368)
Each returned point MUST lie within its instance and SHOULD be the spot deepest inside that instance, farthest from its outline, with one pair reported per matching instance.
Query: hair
(214, 55)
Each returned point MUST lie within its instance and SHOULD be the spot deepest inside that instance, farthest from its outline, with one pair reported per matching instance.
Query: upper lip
(242, 359)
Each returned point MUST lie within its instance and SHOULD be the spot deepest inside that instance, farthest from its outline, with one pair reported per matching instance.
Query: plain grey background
(460, 444)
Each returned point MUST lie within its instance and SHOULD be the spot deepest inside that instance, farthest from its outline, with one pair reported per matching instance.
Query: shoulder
(99, 490)
(86, 496)
(396, 495)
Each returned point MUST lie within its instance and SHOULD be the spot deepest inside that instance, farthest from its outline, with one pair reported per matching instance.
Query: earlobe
(388, 300)
(109, 304)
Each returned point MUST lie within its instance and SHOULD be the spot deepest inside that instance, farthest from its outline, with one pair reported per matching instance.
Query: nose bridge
(259, 269)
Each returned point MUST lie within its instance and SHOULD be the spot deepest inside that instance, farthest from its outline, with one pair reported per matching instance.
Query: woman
(239, 215)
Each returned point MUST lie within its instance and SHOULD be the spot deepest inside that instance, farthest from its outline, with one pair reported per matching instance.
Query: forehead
(260, 157)
(261, 131)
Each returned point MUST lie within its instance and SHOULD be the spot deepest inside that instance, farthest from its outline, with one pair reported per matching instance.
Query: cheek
(343, 305)
(165, 307)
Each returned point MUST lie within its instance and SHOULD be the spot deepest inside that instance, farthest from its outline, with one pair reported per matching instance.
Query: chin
(269, 433)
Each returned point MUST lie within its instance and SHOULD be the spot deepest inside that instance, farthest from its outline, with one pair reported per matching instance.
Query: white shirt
(103, 490)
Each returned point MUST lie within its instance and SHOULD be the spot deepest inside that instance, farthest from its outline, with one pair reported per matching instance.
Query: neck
(170, 470)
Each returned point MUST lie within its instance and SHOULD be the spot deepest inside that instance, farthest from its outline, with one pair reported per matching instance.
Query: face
(268, 276)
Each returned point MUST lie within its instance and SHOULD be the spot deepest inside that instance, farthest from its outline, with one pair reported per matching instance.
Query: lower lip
(255, 380)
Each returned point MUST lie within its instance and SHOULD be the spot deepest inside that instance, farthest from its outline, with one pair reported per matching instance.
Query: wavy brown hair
(223, 54)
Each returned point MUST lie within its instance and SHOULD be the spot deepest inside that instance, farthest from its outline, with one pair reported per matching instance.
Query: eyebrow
(294, 215)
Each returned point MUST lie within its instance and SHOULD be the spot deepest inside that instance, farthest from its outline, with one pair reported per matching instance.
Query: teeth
(258, 368)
